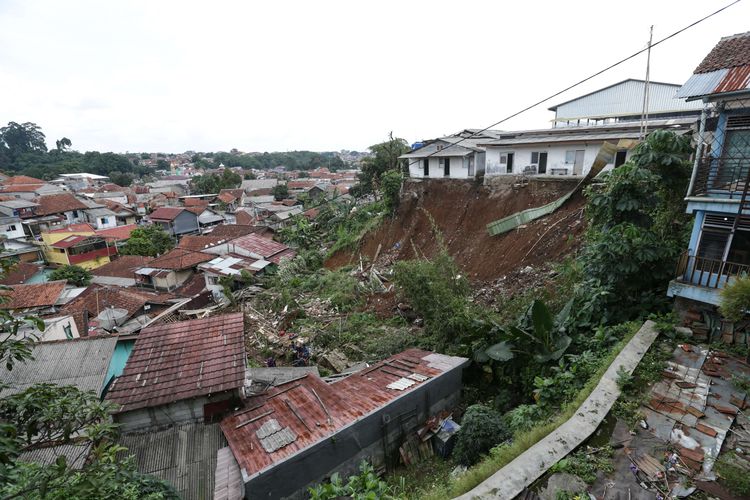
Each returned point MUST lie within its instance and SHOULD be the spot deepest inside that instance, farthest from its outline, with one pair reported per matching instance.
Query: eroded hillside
(461, 210)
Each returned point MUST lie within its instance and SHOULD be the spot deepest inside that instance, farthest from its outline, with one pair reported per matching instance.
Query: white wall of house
(12, 231)
(459, 167)
(106, 222)
(557, 157)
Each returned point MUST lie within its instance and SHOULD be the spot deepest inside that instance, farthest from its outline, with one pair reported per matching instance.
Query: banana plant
(539, 336)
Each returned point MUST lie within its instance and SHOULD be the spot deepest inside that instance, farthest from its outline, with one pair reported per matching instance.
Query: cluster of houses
(569, 147)
(145, 335)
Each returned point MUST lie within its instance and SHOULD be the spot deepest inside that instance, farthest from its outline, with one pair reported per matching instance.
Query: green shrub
(735, 299)
(585, 464)
(364, 486)
(734, 476)
(76, 275)
(481, 429)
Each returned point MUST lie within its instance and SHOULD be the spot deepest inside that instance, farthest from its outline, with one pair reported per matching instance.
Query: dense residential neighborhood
(552, 312)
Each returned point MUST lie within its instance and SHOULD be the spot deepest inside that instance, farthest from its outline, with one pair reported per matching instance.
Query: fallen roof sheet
(175, 361)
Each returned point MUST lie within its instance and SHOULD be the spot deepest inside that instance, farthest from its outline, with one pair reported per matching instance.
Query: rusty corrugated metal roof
(175, 361)
(313, 410)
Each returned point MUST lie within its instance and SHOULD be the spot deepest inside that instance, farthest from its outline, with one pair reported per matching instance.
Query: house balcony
(722, 177)
(700, 278)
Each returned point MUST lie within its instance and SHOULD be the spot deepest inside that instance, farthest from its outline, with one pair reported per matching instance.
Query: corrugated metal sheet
(176, 361)
(184, 455)
(323, 409)
(624, 99)
(229, 485)
(714, 82)
(75, 455)
(82, 363)
(554, 138)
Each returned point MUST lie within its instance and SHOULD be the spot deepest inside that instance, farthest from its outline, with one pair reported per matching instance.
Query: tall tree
(384, 158)
(19, 138)
(63, 144)
(148, 241)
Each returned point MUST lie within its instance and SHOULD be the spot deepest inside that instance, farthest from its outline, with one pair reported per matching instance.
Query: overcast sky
(281, 75)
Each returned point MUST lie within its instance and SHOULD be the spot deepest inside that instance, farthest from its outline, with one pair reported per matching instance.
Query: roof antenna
(644, 112)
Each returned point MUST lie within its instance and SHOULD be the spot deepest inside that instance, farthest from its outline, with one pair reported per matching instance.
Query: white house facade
(455, 157)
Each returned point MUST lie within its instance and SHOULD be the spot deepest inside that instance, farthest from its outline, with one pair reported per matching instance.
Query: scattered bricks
(695, 412)
(669, 374)
(686, 385)
(708, 431)
(727, 410)
(738, 402)
(686, 347)
(694, 455)
(711, 373)
(720, 354)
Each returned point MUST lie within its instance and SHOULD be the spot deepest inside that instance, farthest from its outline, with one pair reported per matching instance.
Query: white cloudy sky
(321, 75)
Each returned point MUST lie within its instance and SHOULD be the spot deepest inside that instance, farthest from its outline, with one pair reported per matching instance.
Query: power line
(621, 61)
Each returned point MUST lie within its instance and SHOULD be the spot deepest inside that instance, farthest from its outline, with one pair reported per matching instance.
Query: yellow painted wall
(55, 256)
(94, 263)
(50, 238)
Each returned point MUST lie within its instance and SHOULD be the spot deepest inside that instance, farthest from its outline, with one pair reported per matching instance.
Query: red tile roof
(197, 210)
(261, 192)
(20, 188)
(179, 258)
(166, 213)
(122, 267)
(20, 272)
(21, 179)
(96, 298)
(70, 241)
(194, 202)
(36, 295)
(192, 287)
(231, 231)
(301, 184)
(75, 228)
(176, 361)
(341, 404)
(230, 195)
(118, 233)
(57, 204)
(730, 52)
(198, 243)
(244, 217)
(264, 247)
(111, 187)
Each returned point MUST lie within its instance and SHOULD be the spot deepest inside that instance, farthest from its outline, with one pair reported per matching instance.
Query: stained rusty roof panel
(340, 404)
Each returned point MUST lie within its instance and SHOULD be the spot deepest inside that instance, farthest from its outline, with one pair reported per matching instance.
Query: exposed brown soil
(462, 210)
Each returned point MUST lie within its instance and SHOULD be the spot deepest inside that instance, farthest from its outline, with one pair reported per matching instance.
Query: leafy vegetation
(213, 183)
(149, 241)
(586, 463)
(44, 415)
(280, 191)
(481, 429)
(732, 474)
(75, 275)
(384, 159)
(364, 486)
(23, 151)
(292, 160)
(735, 299)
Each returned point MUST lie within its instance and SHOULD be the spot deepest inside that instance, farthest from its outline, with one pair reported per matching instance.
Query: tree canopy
(148, 241)
(75, 275)
(384, 158)
(23, 151)
(213, 183)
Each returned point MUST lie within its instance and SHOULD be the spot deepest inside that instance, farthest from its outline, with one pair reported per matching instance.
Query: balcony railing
(94, 254)
(723, 177)
(709, 273)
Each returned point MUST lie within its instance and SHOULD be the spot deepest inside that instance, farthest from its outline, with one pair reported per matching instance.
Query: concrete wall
(186, 410)
(556, 156)
(363, 439)
(13, 230)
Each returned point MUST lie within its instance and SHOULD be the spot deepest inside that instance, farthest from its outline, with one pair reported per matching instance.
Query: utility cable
(580, 82)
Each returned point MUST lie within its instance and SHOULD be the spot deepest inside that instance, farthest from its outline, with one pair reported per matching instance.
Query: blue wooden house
(719, 192)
